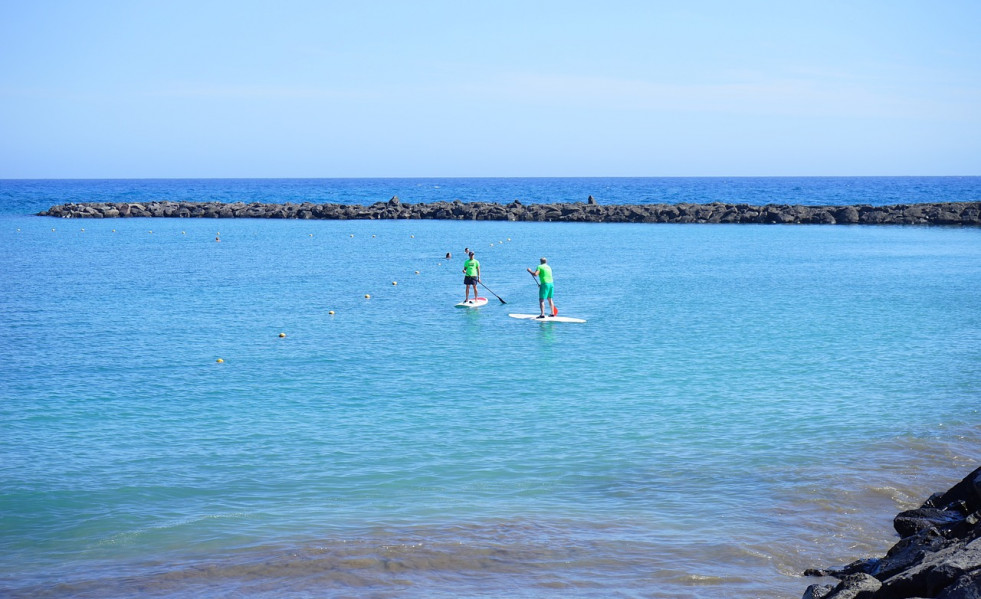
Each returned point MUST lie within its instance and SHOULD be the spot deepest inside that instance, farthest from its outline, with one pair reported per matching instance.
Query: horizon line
(425, 177)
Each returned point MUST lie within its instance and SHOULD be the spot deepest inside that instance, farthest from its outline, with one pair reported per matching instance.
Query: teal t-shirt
(545, 273)
(470, 267)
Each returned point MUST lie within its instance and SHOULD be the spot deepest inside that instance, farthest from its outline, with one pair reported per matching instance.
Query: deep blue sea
(31, 196)
(299, 410)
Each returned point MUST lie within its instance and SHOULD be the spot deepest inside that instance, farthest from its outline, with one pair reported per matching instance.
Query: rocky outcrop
(938, 554)
(949, 213)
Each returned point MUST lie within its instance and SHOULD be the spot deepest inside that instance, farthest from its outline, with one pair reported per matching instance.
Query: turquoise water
(744, 402)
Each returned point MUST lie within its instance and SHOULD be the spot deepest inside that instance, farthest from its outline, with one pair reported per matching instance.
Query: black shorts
(469, 280)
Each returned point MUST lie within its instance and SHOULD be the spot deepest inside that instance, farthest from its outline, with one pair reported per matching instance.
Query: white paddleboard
(547, 318)
(480, 301)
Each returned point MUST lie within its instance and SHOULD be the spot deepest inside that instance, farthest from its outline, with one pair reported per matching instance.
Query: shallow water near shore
(743, 403)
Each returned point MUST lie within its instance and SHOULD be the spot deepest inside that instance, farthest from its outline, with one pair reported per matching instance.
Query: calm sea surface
(743, 403)
(19, 196)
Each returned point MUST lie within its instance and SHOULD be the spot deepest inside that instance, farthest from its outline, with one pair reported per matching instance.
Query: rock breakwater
(948, 213)
(938, 554)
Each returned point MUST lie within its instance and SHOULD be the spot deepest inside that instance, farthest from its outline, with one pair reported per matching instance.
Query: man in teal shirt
(471, 276)
(544, 273)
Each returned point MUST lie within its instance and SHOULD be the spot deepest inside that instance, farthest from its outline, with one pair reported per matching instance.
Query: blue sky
(132, 89)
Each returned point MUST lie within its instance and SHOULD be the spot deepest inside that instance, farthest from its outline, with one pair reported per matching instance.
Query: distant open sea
(299, 410)
(35, 195)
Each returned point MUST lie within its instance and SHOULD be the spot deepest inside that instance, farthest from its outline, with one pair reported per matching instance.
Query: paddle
(492, 293)
(555, 309)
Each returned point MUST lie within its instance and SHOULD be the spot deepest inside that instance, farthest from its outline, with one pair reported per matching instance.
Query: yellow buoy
(83, 230)
(372, 236)
(417, 272)
(366, 296)
(331, 312)
(281, 335)
(412, 236)
(395, 282)
(352, 234)
(220, 361)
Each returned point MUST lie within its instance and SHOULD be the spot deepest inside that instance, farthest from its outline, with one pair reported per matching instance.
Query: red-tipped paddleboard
(474, 303)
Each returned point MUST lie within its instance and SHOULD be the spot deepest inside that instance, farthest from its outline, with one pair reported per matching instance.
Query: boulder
(965, 587)
(817, 591)
(965, 496)
(847, 215)
(911, 522)
(855, 586)
(934, 573)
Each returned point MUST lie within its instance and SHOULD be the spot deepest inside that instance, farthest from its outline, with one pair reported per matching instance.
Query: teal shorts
(545, 291)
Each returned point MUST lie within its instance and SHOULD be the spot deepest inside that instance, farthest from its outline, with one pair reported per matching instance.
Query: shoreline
(942, 213)
(938, 554)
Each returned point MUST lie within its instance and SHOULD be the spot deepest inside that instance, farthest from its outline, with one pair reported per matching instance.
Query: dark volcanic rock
(817, 591)
(911, 522)
(855, 586)
(939, 554)
(966, 587)
(961, 214)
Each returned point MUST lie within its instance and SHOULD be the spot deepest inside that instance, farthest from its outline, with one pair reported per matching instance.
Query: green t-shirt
(470, 267)
(545, 273)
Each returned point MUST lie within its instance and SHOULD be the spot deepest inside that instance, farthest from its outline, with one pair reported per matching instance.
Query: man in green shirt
(471, 276)
(544, 273)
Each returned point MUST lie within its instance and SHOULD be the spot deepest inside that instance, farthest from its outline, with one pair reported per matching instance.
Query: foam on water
(744, 402)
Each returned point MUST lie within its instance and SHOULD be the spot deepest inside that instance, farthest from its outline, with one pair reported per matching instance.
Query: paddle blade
(502, 300)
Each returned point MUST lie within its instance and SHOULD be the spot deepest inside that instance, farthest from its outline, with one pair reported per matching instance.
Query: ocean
(268, 408)
(18, 196)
